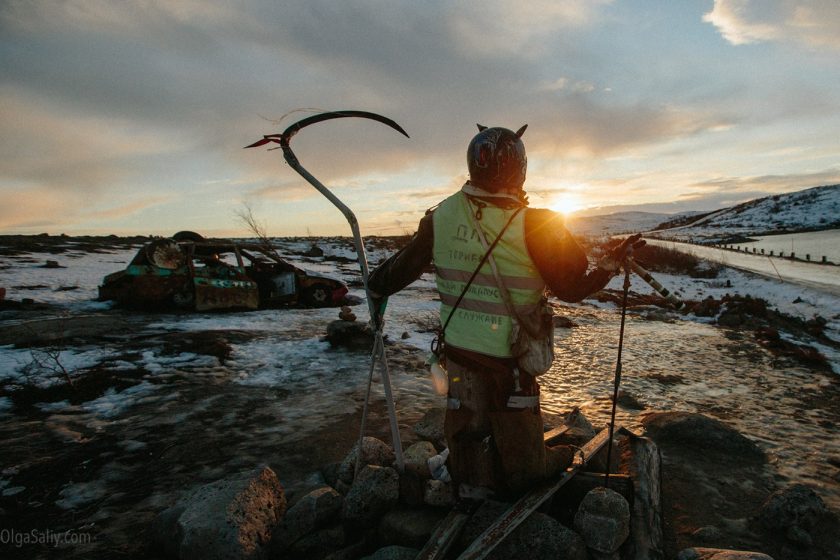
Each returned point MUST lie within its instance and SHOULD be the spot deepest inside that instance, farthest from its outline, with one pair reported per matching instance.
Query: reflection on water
(791, 412)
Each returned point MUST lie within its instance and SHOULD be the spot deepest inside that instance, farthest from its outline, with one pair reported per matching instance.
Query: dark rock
(697, 430)
(314, 251)
(730, 319)
(562, 322)
(720, 554)
(350, 334)
(319, 544)
(708, 533)
(417, 456)
(430, 427)
(409, 527)
(52, 264)
(313, 511)
(438, 493)
(603, 520)
(231, 518)
(374, 452)
(394, 553)
(793, 510)
(374, 492)
(539, 536)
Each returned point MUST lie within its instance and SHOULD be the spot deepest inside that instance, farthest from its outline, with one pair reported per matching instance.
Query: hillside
(811, 209)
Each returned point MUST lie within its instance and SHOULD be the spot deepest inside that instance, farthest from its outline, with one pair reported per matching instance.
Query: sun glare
(566, 204)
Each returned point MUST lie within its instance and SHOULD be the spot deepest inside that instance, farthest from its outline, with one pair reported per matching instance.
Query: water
(791, 412)
(286, 399)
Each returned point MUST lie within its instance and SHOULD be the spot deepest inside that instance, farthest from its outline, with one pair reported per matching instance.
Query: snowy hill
(612, 224)
(811, 209)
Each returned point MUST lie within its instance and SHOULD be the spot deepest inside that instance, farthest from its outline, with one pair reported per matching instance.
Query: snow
(815, 208)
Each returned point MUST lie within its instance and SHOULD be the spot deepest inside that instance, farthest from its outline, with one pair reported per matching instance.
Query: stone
(374, 452)
(796, 506)
(699, 431)
(708, 533)
(374, 492)
(408, 527)
(354, 335)
(430, 427)
(232, 518)
(603, 520)
(314, 251)
(319, 543)
(417, 456)
(346, 314)
(438, 494)
(394, 553)
(539, 536)
(313, 511)
(720, 554)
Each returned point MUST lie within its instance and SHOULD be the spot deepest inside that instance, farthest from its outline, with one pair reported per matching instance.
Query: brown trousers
(491, 445)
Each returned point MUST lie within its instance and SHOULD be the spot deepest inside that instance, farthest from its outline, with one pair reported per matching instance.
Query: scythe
(378, 351)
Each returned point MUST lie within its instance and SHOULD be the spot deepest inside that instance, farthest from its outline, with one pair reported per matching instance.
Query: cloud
(815, 23)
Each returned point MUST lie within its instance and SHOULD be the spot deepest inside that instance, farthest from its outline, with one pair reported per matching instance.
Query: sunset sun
(566, 204)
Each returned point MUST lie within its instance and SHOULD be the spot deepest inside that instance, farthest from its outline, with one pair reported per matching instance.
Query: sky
(130, 117)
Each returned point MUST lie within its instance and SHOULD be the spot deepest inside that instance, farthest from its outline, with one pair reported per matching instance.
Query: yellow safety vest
(481, 322)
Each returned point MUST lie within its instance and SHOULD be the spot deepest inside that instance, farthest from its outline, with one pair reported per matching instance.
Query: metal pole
(617, 381)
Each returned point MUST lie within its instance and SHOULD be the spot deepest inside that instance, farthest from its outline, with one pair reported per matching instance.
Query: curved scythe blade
(379, 345)
(295, 128)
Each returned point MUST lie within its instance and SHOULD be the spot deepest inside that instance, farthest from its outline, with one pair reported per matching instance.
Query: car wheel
(188, 236)
(184, 300)
(318, 295)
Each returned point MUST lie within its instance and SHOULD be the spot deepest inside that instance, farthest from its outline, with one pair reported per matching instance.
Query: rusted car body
(206, 275)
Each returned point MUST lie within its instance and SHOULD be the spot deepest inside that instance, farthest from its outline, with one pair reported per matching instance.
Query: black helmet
(496, 159)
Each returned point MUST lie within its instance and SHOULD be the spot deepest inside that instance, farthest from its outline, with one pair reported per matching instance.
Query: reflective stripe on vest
(482, 322)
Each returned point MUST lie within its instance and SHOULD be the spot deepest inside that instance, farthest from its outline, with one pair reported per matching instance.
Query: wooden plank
(555, 433)
(445, 534)
(525, 506)
(646, 516)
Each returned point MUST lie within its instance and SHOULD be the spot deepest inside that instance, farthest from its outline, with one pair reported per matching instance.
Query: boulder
(374, 452)
(539, 536)
(394, 553)
(430, 427)
(701, 432)
(408, 527)
(354, 335)
(374, 492)
(792, 511)
(437, 493)
(313, 511)
(417, 456)
(318, 544)
(603, 520)
(232, 518)
(720, 554)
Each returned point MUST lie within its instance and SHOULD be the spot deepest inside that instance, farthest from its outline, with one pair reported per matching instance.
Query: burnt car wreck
(193, 273)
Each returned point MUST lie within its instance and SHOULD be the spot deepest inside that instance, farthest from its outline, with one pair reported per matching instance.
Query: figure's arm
(405, 266)
(560, 260)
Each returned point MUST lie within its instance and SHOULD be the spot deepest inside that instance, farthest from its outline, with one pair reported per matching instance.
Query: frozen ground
(179, 416)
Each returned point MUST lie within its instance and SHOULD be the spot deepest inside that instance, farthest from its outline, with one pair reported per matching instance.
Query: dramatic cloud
(812, 22)
(104, 101)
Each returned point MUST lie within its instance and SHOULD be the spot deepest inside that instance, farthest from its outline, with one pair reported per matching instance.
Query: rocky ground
(113, 479)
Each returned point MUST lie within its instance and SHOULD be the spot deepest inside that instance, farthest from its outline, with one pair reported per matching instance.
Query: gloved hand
(379, 304)
(612, 262)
